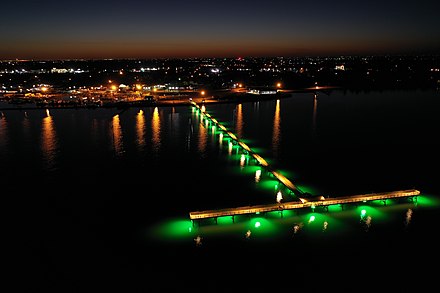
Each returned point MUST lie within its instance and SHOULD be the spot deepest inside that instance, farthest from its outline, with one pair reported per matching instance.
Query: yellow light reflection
(155, 125)
(203, 138)
(242, 160)
(276, 135)
(140, 129)
(315, 108)
(117, 135)
(48, 141)
(239, 121)
(230, 148)
(257, 175)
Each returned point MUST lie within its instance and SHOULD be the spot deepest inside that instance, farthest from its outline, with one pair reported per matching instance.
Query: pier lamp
(279, 196)
(258, 175)
(363, 213)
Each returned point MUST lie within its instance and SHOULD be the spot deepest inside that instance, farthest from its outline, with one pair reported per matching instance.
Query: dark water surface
(101, 197)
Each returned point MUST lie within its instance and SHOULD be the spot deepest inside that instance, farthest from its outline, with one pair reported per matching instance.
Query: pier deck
(303, 203)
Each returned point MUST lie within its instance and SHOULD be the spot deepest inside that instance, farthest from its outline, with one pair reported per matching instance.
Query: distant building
(262, 91)
(59, 70)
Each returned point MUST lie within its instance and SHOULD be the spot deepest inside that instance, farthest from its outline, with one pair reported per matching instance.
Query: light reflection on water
(100, 208)
(140, 130)
(49, 142)
(315, 110)
(117, 135)
(238, 115)
(276, 136)
(203, 135)
(156, 129)
(130, 131)
(4, 136)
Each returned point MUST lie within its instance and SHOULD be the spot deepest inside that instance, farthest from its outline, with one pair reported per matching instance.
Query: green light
(334, 208)
(226, 220)
(312, 218)
(257, 224)
(267, 184)
(173, 229)
(363, 212)
(428, 200)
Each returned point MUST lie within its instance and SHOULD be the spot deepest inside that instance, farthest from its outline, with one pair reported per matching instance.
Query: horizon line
(224, 57)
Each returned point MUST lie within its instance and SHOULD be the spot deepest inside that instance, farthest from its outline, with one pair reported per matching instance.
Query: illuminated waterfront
(106, 193)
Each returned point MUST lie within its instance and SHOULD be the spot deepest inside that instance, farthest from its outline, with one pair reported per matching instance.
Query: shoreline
(171, 102)
(161, 103)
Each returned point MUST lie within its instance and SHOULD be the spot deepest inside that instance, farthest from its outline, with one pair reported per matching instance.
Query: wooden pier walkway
(303, 203)
(304, 200)
(281, 178)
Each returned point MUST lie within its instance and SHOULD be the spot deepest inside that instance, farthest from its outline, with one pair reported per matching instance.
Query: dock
(305, 203)
(303, 200)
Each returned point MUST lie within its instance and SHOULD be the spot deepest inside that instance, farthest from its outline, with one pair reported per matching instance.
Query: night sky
(92, 29)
